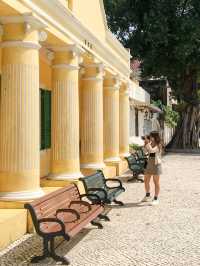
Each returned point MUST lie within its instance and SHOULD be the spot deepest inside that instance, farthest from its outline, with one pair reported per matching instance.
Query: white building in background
(143, 116)
(140, 117)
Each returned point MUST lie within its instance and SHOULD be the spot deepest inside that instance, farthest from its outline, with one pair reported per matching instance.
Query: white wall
(138, 94)
(141, 123)
(132, 121)
(133, 138)
(168, 134)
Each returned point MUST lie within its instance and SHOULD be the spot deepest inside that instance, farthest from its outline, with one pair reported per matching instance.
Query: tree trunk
(187, 134)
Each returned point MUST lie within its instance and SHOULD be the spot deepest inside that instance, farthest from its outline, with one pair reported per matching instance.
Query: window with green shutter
(45, 97)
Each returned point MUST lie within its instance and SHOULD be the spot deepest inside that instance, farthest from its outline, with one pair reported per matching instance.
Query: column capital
(124, 89)
(24, 44)
(124, 92)
(65, 66)
(24, 18)
(74, 49)
(99, 72)
(116, 82)
(30, 23)
(99, 66)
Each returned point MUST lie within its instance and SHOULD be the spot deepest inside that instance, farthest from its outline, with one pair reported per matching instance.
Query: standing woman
(154, 167)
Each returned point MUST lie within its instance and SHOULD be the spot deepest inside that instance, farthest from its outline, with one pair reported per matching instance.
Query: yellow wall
(45, 73)
(89, 13)
(45, 162)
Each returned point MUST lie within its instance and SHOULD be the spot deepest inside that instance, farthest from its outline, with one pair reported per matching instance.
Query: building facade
(64, 101)
(64, 109)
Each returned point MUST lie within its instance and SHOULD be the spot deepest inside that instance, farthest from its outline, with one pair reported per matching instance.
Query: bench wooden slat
(67, 222)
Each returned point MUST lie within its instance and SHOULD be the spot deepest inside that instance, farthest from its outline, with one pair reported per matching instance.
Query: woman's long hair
(157, 139)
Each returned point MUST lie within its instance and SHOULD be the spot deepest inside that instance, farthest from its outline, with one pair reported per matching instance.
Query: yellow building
(64, 102)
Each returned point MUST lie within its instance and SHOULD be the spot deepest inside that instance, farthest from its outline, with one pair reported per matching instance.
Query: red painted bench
(62, 213)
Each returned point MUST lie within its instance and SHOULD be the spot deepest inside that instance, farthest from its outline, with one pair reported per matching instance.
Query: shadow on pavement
(21, 253)
(130, 205)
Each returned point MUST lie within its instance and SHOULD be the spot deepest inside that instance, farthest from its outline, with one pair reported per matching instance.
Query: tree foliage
(170, 116)
(165, 35)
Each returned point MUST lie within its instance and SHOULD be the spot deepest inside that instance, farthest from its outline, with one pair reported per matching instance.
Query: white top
(157, 151)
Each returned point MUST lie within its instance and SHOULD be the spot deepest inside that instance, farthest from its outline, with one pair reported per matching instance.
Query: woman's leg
(156, 180)
(147, 179)
(147, 197)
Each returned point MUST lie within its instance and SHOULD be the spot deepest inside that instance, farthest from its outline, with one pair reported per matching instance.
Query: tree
(165, 36)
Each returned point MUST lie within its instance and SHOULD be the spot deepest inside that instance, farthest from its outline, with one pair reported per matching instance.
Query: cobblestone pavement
(142, 235)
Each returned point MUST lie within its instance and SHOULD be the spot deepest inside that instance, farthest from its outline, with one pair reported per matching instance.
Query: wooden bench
(62, 213)
(97, 184)
(136, 167)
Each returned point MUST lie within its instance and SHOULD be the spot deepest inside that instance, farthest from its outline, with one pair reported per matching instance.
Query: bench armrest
(97, 199)
(114, 180)
(70, 211)
(51, 220)
(81, 202)
(99, 190)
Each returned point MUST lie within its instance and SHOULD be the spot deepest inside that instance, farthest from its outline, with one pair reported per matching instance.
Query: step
(13, 225)
(122, 167)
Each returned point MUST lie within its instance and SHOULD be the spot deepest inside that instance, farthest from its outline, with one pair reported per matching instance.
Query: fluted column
(92, 117)
(65, 114)
(124, 120)
(111, 120)
(19, 113)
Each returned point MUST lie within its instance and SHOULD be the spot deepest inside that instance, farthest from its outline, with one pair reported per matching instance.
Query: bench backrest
(140, 153)
(96, 180)
(46, 206)
(131, 160)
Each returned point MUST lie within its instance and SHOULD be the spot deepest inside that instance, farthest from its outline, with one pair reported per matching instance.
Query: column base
(65, 176)
(122, 155)
(93, 166)
(21, 195)
(112, 160)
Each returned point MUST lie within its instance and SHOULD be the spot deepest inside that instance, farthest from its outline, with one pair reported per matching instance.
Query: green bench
(106, 189)
(141, 157)
(136, 167)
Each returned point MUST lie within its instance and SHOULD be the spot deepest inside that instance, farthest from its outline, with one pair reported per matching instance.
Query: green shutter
(42, 133)
(47, 107)
(45, 119)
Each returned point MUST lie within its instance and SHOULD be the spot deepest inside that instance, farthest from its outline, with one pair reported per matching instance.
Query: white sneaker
(146, 199)
(154, 202)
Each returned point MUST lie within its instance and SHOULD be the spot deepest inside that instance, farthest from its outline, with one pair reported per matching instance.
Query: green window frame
(45, 119)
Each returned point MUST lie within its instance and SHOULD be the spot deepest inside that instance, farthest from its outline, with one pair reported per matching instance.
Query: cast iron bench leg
(99, 225)
(139, 179)
(45, 254)
(104, 217)
(55, 256)
(135, 178)
(118, 202)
